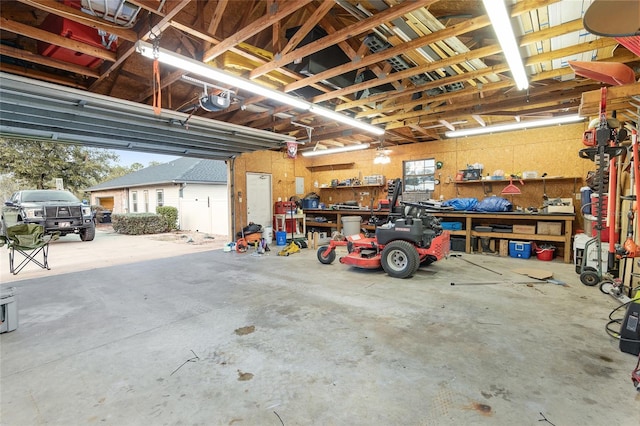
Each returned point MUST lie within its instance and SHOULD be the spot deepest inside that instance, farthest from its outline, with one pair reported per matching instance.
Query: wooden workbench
(469, 220)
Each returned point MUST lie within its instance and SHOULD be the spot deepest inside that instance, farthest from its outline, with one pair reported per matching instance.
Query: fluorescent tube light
(204, 70)
(515, 126)
(501, 23)
(332, 115)
(195, 67)
(346, 148)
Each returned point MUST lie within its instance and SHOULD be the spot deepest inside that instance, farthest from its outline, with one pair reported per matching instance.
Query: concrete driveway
(70, 254)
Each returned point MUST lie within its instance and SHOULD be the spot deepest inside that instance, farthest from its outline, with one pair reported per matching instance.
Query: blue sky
(127, 158)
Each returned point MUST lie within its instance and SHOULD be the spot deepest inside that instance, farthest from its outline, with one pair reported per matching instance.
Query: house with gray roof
(196, 187)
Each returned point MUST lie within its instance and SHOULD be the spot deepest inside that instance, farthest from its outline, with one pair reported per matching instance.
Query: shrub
(139, 223)
(170, 214)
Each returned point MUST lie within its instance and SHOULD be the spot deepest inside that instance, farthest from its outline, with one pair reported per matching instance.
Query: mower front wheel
(324, 258)
(400, 259)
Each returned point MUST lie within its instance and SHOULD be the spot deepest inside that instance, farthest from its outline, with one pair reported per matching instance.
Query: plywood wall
(551, 150)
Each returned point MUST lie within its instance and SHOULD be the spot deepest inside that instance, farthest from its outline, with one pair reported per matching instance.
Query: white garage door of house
(205, 208)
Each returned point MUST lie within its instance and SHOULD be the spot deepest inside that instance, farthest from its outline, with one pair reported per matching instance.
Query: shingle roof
(189, 170)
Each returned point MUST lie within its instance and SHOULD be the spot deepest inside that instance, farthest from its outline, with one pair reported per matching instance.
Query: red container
(285, 207)
(545, 254)
(74, 31)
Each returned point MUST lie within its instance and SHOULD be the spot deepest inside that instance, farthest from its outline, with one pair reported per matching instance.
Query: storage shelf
(515, 180)
(377, 185)
(513, 236)
(320, 167)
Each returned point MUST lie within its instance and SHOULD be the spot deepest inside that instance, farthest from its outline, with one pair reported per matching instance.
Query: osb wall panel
(552, 150)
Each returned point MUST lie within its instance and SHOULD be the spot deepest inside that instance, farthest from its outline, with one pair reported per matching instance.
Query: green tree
(119, 171)
(37, 164)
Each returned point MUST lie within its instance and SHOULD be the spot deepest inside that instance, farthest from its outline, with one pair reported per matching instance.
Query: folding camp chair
(29, 240)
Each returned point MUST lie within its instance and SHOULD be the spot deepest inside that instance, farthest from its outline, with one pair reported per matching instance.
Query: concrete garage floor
(216, 338)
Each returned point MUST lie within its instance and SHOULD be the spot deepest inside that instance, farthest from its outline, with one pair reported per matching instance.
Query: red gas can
(75, 31)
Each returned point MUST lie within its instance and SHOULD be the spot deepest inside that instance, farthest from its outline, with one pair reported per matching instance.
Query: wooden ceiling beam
(470, 25)
(124, 54)
(39, 75)
(316, 16)
(46, 61)
(73, 14)
(341, 35)
(451, 112)
(473, 54)
(284, 9)
(58, 40)
(560, 53)
(496, 69)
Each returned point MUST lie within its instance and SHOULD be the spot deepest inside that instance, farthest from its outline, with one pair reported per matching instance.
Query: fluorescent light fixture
(332, 115)
(515, 126)
(501, 23)
(195, 67)
(346, 148)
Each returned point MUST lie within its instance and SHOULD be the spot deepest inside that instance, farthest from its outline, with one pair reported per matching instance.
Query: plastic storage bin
(281, 238)
(458, 243)
(520, 249)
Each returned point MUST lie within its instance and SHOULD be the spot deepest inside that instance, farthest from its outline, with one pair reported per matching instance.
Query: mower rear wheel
(400, 259)
(326, 259)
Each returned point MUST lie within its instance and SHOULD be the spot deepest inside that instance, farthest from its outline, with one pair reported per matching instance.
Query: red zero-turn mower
(400, 246)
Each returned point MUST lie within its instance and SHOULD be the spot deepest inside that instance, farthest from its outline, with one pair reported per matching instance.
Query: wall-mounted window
(159, 197)
(134, 201)
(145, 194)
(419, 175)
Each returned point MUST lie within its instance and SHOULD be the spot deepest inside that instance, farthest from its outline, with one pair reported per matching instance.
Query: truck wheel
(326, 259)
(400, 259)
(88, 234)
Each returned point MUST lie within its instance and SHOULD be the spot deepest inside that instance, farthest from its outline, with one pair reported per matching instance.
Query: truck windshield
(34, 196)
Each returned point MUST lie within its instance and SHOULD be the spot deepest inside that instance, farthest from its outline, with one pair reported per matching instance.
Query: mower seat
(29, 240)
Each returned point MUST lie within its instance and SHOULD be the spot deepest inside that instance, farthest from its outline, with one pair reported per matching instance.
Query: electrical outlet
(330, 198)
(578, 196)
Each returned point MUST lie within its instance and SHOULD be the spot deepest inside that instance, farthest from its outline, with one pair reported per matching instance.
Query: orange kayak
(612, 73)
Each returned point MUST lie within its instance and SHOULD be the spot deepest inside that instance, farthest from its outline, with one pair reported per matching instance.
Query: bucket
(281, 238)
(545, 254)
(351, 225)
(267, 233)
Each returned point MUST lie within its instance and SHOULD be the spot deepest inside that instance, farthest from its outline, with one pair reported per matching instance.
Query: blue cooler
(520, 249)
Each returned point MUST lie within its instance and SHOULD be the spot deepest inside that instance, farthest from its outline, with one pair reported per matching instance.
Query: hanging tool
(511, 189)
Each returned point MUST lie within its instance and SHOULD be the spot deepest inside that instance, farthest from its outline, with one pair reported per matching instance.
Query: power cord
(616, 334)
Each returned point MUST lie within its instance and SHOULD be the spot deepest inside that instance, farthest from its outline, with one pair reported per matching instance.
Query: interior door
(259, 199)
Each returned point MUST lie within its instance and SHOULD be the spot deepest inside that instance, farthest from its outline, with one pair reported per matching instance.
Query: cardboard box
(549, 228)
(566, 206)
(524, 229)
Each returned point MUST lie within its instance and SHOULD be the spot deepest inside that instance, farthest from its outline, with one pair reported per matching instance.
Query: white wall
(204, 208)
